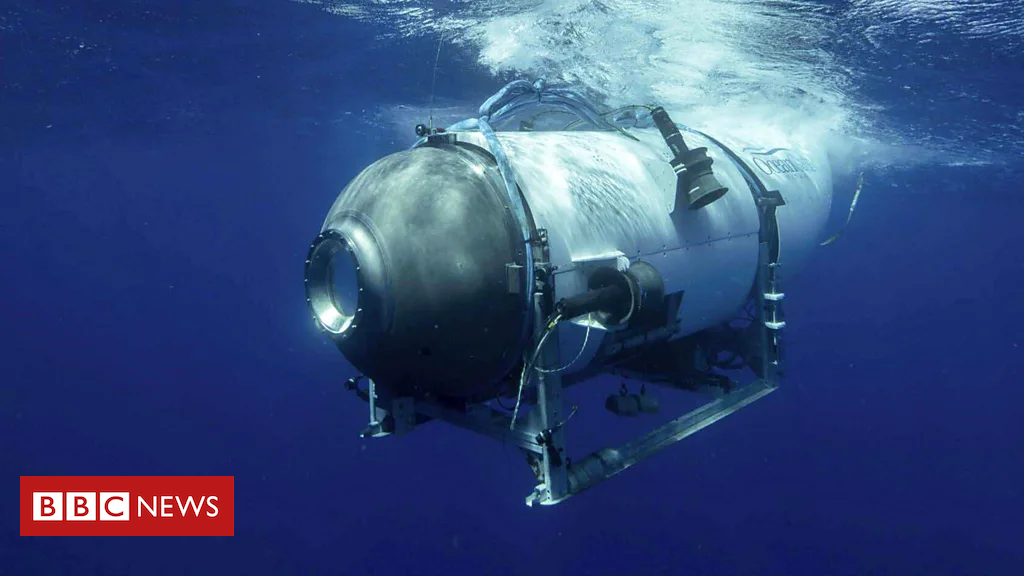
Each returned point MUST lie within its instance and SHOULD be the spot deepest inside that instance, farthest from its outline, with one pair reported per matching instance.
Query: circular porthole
(332, 282)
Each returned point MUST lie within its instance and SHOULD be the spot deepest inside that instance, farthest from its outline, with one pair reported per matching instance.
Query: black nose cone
(414, 274)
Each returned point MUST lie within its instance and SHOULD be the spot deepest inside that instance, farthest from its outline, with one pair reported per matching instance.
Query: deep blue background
(163, 169)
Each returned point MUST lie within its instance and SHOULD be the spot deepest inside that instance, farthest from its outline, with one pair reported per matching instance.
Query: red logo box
(127, 505)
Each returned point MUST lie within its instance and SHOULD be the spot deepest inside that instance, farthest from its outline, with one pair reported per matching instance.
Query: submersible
(545, 242)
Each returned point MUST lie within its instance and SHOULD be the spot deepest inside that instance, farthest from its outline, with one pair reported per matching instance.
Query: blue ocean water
(165, 166)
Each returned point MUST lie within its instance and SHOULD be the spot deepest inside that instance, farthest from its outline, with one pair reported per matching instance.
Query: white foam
(749, 67)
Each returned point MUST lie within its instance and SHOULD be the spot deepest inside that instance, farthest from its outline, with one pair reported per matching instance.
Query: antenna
(433, 81)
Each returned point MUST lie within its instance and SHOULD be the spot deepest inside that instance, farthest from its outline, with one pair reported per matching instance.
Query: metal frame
(540, 434)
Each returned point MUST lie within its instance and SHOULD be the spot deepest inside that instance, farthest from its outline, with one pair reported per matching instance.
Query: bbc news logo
(114, 506)
(127, 506)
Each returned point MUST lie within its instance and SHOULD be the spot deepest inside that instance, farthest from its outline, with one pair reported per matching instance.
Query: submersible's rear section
(487, 262)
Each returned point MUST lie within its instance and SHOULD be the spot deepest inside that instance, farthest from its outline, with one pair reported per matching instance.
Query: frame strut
(554, 484)
(608, 462)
